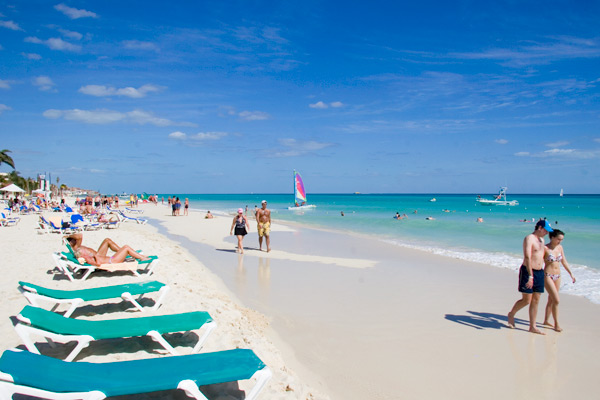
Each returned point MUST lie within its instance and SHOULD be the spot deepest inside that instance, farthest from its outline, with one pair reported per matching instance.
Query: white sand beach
(334, 315)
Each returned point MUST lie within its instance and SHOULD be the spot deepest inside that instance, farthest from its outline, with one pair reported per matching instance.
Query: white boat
(299, 194)
(433, 200)
(561, 193)
(498, 200)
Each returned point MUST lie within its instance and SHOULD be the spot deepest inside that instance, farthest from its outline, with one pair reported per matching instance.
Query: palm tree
(6, 159)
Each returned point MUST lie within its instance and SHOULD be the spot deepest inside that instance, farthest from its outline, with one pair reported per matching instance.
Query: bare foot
(546, 323)
(511, 321)
(268, 250)
(558, 329)
(537, 331)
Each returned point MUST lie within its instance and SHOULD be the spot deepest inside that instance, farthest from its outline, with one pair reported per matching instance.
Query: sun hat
(240, 211)
(263, 202)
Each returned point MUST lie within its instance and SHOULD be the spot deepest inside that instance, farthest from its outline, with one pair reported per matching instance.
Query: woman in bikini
(554, 256)
(100, 257)
(240, 223)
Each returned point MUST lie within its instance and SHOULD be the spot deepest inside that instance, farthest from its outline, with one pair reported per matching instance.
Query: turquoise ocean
(453, 231)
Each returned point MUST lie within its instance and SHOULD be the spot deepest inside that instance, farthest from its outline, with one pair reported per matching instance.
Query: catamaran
(498, 200)
(299, 194)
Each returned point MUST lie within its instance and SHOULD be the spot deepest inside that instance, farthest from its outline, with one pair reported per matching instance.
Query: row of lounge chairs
(30, 373)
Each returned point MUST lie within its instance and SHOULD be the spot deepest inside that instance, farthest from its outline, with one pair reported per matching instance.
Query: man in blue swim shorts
(531, 275)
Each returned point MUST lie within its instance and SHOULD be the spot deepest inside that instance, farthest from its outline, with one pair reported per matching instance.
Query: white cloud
(298, 148)
(44, 83)
(4, 107)
(531, 53)
(5, 84)
(522, 154)
(563, 154)
(32, 56)
(198, 137)
(597, 140)
(501, 141)
(54, 43)
(139, 45)
(74, 13)
(558, 152)
(557, 144)
(254, 115)
(71, 34)
(105, 91)
(208, 135)
(87, 116)
(10, 25)
(177, 135)
(319, 105)
(104, 116)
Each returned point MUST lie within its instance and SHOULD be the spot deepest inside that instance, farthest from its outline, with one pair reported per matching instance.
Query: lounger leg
(8, 389)
(87, 274)
(262, 377)
(74, 304)
(24, 333)
(157, 337)
(209, 328)
(128, 297)
(81, 344)
(191, 389)
(161, 295)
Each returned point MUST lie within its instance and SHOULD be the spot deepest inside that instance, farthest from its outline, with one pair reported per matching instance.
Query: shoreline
(473, 299)
(585, 275)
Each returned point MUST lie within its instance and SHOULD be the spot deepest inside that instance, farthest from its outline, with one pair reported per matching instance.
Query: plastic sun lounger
(54, 327)
(133, 210)
(126, 218)
(40, 376)
(74, 298)
(70, 265)
(8, 220)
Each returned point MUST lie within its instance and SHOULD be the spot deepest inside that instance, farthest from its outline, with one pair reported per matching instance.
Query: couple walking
(241, 226)
(541, 268)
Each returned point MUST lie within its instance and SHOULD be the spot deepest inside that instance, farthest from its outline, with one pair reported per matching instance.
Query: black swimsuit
(240, 227)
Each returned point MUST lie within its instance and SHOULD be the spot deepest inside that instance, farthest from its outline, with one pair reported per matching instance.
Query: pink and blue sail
(299, 192)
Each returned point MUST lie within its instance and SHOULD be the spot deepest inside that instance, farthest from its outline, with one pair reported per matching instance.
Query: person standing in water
(531, 275)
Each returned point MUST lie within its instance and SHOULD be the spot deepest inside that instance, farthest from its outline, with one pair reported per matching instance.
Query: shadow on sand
(483, 320)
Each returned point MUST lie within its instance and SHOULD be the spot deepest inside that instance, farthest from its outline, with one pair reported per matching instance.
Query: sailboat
(498, 200)
(299, 194)
(561, 193)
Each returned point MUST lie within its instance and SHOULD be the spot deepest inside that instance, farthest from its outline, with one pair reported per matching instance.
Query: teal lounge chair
(45, 377)
(37, 321)
(70, 266)
(74, 298)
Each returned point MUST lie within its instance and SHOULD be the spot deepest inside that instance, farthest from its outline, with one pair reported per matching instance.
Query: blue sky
(376, 97)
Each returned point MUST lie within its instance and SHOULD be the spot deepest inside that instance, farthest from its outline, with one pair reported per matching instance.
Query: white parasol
(11, 188)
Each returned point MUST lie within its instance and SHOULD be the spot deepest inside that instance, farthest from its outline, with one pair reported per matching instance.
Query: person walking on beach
(186, 206)
(241, 226)
(263, 220)
(531, 275)
(555, 255)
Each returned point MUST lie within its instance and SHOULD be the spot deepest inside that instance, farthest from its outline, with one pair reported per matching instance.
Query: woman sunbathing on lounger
(99, 257)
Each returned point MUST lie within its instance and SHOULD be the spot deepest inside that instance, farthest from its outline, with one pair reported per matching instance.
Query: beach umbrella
(11, 188)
